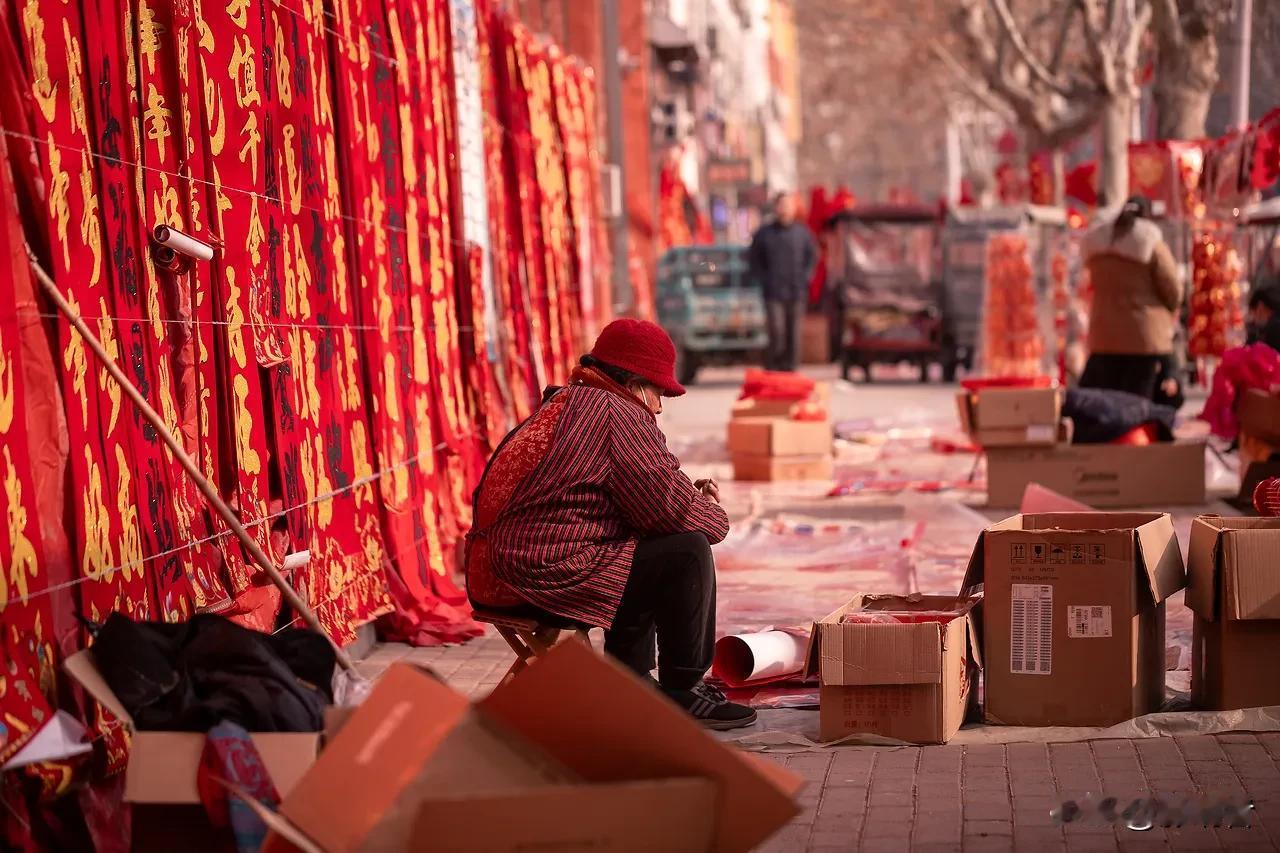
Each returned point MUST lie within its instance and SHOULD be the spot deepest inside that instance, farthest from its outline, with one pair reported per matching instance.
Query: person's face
(651, 396)
(1260, 315)
(786, 209)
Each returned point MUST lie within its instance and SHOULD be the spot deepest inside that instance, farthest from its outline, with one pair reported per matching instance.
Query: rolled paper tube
(296, 560)
(182, 244)
(743, 659)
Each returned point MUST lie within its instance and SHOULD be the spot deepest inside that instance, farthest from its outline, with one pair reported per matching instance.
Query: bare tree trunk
(1117, 126)
(1187, 66)
(1059, 176)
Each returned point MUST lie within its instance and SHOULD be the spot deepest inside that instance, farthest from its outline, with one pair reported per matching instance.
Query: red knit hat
(642, 348)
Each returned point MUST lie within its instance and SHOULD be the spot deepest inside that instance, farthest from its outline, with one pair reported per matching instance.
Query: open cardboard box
(1101, 475)
(575, 753)
(759, 408)
(1234, 590)
(160, 778)
(1073, 615)
(1011, 417)
(911, 682)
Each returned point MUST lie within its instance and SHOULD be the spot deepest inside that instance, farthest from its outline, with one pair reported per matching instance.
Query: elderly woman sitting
(584, 514)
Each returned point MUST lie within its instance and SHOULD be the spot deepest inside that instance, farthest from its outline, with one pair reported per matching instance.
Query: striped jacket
(566, 497)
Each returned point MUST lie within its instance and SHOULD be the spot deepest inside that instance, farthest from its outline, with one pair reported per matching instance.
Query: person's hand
(709, 488)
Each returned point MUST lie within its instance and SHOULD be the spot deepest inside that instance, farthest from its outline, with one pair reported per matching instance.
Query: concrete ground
(971, 798)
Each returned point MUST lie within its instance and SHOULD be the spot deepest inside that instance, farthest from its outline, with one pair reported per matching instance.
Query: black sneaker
(709, 707)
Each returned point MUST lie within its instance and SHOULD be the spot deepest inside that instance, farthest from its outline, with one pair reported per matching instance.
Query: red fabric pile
(1255, 366)
(771, 385)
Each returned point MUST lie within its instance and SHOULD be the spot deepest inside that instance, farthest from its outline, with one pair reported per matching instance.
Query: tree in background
(1059, 70)
(1186, 63)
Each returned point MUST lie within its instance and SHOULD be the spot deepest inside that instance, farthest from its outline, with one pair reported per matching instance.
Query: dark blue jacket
(782, 260)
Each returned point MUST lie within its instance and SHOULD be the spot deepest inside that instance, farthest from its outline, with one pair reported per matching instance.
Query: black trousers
(1137, 374)
(668, 611)
(783, 321)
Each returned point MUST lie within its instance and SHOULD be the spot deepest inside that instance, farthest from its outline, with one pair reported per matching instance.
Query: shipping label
(1091, 621)
(1031, 647)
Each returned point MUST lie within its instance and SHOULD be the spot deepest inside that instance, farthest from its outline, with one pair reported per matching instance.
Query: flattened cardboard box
(1073, 615)
(778, 437)
(160, 778)
(768, 469)
(910, 682)
(1101, 475)
(1011, 417)
(417, 754)
(1233, 589)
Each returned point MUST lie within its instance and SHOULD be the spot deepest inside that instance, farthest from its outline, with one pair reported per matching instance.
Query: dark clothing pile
(190, 676)
(782, 260)
(1102, 415)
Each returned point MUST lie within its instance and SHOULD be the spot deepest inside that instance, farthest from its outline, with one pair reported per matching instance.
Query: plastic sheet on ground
(790, 731)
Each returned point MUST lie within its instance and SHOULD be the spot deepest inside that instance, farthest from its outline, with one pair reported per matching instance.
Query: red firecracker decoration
(1061, 290)
(1216, 319)
(1012, 343)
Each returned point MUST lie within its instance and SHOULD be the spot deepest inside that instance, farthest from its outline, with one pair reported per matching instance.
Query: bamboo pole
(188, 464)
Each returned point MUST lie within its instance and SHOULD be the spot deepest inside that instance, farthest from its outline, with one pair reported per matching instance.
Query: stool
(528, 637)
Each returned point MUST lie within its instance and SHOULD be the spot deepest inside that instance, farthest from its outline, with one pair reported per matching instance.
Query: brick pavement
(979, 799)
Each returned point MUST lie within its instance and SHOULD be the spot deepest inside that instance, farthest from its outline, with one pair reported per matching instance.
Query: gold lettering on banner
(59, 183)
(42, 86)
(97, 532)
(350, 385)
(107, 334)
(244, 73)
(384, 310)
(238, 10)
(302, 271)
(284, 79)
(235, 319)
(75, 72)
(130, 541)
(168, 410)
(252, 138)
(389, 388)
(290, 274)
(310, 390)
(6, 389)
(22, 555)
(73, 361)
(156, 118)
(166, 205)
(361, 467)
(249, 461)
(221, 200)
(215, 114)
(149, 33)
(130, 65)
(90, 234)
(293, 178)
(257, 233)
(324, 486)
(421, 368)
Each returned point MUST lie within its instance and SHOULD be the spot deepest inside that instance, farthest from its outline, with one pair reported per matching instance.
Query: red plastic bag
(979, 384)
(770, 385)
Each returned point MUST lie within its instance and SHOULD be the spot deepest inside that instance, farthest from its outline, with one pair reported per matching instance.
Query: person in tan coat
(1137, 294)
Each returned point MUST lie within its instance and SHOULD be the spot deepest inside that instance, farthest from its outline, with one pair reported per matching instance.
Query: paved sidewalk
(977, 798)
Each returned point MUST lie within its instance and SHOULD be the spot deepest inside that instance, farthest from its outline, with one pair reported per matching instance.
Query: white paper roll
(182, 244)
(742, 659)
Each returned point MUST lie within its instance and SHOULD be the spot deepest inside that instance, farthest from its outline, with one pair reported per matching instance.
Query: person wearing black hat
(584, 518)
(1137, 294)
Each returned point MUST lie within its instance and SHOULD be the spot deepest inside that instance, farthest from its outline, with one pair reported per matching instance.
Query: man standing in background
(782, 260)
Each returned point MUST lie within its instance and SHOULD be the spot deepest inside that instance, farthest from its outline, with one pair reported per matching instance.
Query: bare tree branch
(979, 91)
(1064, 31)
(1168, 23)
(1010, 28)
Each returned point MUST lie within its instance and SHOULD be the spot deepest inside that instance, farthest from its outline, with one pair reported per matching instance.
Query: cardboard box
(160, 778)
(821, 397)
(778, 437)
(910, 682)
(1259, 414)
(1011, 417)
(1234, 590)
(749, 468)
(417, 767)
(815, 340)
(1101, 475)
(1073, 616)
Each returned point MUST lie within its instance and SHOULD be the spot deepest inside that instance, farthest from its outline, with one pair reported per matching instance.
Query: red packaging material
(975, 385)
(912, 618)
(1139, 436)
(770, 385)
